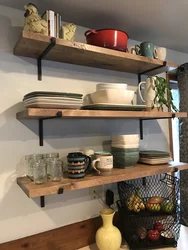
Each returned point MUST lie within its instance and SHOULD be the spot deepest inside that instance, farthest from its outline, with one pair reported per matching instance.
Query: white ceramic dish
(111, 106)
(102, 86)
(116, 96)
(155, 161)
(126, 139)
(53, 105)
(114, 145)
(45, 98)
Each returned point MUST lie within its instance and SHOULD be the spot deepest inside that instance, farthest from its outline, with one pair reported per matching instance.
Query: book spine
(52, 21)
(57, 25)
(60, 27)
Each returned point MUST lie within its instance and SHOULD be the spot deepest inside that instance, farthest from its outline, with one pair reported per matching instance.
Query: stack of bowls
(125, 150)
(115, 93)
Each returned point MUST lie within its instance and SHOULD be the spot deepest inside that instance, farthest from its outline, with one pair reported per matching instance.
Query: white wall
(19, 215)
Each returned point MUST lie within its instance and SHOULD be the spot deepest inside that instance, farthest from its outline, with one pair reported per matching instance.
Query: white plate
(42, 98)
(112, 106)
(52, 105)
(155, 162)
(52, 101)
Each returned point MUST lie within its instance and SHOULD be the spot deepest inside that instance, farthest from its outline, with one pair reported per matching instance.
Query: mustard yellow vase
(108, 237)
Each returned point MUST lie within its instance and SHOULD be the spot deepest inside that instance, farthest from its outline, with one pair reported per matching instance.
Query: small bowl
(126, 139)
(129, 146)
(125, 162)
(113, 96)
(102, 86)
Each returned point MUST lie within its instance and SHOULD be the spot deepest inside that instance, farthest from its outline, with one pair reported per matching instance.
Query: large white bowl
(113, 96)
(126, 139)
(102, 86)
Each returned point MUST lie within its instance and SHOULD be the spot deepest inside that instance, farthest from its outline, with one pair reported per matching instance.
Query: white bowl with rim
(102, 86)
(113, 96)
(126, 139)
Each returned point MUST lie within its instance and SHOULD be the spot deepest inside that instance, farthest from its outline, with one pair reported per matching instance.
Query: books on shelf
(54, 23)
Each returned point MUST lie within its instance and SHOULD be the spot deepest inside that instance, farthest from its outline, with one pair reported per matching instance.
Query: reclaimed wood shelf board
(33, 45)
(117, 175)
(37, 113)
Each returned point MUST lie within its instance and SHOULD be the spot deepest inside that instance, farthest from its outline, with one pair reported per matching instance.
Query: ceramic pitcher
(149, 92)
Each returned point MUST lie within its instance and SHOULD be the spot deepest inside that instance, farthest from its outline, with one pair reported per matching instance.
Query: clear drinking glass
(55, 169)
(29, 166)
(39, 171)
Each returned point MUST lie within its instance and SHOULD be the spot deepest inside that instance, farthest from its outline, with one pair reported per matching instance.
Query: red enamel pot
(108, 38)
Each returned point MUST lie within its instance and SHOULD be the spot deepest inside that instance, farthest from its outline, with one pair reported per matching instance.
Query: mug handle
(155, 54)
(137, 49)
(139, 91)
(89, 162)
(133, 50)
(94, 163)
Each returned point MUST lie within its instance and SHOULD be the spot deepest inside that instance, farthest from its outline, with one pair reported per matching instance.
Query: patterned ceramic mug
(77, 164)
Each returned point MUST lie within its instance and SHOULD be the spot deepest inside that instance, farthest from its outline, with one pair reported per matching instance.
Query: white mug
(149, 92)
(160, 53)
(103, 163)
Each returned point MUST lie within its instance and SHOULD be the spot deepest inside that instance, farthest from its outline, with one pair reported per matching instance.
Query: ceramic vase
(108, 237)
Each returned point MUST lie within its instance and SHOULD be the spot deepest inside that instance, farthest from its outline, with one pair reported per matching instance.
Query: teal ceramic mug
(145, 49)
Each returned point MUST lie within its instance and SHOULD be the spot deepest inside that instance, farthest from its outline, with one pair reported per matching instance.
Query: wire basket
(157, 223)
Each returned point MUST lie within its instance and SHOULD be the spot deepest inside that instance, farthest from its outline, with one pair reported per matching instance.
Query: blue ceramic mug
(145, 49)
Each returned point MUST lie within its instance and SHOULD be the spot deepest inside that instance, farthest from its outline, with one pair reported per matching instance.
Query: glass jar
(55, 167)
(48, 157)
(29, 167)
(39, 171)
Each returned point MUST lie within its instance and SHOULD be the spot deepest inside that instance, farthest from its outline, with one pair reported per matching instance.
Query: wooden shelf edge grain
(32, 45)
(117, 175)
(37, 113)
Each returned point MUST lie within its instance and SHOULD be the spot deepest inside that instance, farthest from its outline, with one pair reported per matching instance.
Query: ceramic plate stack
(125, 150)
(154, 157)
(44, 99)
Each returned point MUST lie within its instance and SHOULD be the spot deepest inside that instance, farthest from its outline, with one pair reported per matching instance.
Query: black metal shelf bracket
(42, 198)
(44, 53)
(147, 119)
(41, 127)
(42, 201)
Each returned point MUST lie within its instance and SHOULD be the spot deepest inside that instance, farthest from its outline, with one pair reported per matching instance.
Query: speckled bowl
(125, 161)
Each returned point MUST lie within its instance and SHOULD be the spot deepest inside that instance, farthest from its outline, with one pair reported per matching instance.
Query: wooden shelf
(32, 45)
(117, 175)
(37, 113)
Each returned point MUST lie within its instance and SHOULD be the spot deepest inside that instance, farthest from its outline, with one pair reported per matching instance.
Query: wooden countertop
(94, 247)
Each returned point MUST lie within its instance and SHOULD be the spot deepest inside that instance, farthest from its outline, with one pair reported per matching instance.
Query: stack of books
(54, 23)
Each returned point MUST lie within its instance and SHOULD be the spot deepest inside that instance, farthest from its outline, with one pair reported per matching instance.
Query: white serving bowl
(125, 146)
(102, 86)
(126, 139)
(113, 96)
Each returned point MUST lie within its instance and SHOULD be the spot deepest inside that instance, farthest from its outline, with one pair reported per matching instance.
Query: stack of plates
(154, 157)
(44, 99)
